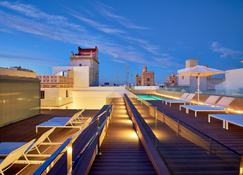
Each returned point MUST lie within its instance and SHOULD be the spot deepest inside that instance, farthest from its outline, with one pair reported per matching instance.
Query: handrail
(148, 130)
(200, 132)
(47, 163)
(91, 140)
(70, 140)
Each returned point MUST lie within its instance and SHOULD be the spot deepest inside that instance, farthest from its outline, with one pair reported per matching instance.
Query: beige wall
(56, 97)
(19, 98)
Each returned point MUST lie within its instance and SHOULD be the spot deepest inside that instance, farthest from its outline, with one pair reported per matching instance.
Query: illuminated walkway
(182, 156)
(121, 151)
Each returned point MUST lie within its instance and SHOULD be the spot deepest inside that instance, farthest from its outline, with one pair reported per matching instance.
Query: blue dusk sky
(129, 34)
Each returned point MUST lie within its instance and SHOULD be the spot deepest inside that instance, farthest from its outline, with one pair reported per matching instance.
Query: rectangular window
(148, 79)
(42, 94)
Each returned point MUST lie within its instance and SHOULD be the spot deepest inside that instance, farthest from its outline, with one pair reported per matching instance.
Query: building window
(80, 64)
(42, 94)
(148, 79)
(66, 93)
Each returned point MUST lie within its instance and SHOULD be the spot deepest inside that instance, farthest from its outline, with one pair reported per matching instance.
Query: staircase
(121, 151)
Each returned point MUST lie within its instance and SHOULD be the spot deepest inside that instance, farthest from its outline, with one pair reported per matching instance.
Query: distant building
(82, 72)
(190, 82)
(56, 81)
(171, 80)
(146, 78)
(87, 57)
(19, 94)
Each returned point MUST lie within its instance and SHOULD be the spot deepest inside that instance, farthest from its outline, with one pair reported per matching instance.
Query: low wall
(235, 106)
(19, 98)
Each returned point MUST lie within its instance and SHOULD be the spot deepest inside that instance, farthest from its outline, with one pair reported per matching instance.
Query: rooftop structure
(146, 78)
(55, 81)
(82, 72)
(19, 95)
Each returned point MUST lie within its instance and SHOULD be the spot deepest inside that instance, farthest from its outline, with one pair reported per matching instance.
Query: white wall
(80, 75)
(233, 80)
(89, 98)
(146, 87)
(95, 97)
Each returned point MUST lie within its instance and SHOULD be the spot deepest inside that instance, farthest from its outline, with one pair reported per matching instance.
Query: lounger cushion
(204, 108)
(8, 147)
(232, 118)
(175, 101)
(56, 121)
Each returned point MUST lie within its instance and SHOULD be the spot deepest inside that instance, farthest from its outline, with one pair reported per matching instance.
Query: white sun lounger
(14, 157)
(220, 106)
(236, 119)
(44, 139)
(64, 122)
(180, 101)
(211, 100)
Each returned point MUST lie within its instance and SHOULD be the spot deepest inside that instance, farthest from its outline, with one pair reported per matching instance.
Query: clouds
(225, 52)
(124, 48)
(108, 12)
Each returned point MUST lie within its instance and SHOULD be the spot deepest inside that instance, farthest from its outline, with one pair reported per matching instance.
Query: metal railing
(160, 162)
(214, 146)
(70, 152)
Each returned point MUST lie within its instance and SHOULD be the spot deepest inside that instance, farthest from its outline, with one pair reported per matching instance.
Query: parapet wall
(235, 106)
(19, 98)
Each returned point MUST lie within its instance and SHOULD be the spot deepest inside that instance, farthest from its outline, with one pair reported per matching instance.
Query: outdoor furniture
(44, 139)
(220, 106)
(65, 122)
(188, 99)
(14, 157)
(236, 119)
(211, 100)
(199, 71)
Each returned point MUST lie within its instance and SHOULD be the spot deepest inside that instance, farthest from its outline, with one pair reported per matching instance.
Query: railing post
(178, 128)
(69, 159)
(241, 165)
(155, 116)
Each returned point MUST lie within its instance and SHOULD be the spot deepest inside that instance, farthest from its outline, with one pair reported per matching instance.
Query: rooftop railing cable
(160, 163)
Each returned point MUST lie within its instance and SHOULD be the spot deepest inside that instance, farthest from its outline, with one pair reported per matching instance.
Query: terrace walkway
(182, 156)
(121, 151)
(232, 138)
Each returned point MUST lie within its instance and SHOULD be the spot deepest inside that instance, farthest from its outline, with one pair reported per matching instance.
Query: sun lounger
(220, 106)
(14, 157)
(236, 119)
(44, 139)
(64, 122)
(180, 101)
(211, 100)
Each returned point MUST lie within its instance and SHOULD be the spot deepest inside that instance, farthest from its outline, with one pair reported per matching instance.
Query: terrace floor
(232, 138)
(182, 156)
(25, 130)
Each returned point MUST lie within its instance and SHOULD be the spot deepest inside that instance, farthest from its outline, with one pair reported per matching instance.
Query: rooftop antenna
(127, 74)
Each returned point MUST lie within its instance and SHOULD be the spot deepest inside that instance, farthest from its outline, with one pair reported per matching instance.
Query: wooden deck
(24, 131)
(121, 151)
(182, 156)
(232, 138)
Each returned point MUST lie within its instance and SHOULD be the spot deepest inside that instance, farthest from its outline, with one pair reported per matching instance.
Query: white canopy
(200, 71)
